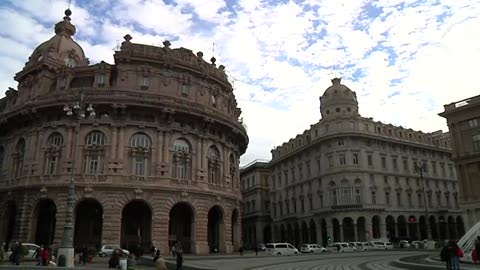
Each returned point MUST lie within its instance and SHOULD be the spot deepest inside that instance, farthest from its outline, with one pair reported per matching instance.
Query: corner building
(350, 178)
(156, 164)
(463, 118)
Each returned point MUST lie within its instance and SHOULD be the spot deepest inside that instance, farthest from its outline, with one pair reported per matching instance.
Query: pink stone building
(156, 164)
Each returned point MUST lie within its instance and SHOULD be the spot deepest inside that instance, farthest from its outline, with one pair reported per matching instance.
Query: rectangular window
(384, 163)
(394, 164)
(370, 160)
(473, 123)
(334, 197)
(442, 168)
(302, 205)
(420, 199)
(405, 165)
(94, 164)
(409, 197)
(387, 198)
(51, 165)
(355, 159)
(358, 196)
(144, 82)
(374, 197)
(310, 203)
(320, 198)
(319, 165)
(139, 166)
(307, 165)
(285, 173)
(184, 90)
(399, 199)
(330, 162)
(434, 167)
(342, 159)
(101, 79)
(476, 143)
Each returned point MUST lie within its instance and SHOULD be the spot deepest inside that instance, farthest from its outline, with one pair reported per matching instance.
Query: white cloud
(282, 54)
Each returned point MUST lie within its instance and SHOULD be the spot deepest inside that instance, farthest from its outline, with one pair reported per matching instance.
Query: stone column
(330, 231)
(383, 230)
(201, 241)
(318, 231)
(341, 232)
(112, 222)
(355, 232)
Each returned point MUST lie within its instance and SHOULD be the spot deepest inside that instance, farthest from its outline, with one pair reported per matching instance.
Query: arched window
(213, 157)
(232, 170)
(53, 152)
(2, 155)
(181, 159)
(95, 152)
(19, 158)
(140, 144)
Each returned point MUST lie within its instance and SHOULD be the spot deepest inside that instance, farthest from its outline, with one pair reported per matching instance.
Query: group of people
(43, 254)
(451, 254)
(177, 252)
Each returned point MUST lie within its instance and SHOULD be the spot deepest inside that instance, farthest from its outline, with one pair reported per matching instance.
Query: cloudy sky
(404, 59)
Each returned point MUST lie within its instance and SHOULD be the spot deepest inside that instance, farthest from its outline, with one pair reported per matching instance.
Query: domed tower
(59, 51)
(338, 100)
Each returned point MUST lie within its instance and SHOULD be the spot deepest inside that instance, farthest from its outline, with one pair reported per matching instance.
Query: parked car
(281, 249)
(344, 247)
(312, 248)
(261, 247)
(403, 244)
(417, 244)
(107, 250)
(381, 245)
(366, 246)
(358, 245)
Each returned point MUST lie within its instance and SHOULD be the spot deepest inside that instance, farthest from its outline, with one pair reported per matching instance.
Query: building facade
(154, 154)
(350, 178)
(463, 119)
(256, 204)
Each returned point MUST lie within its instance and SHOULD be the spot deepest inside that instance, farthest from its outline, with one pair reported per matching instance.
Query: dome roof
(61, 49)
(337, 88)
(338, 100)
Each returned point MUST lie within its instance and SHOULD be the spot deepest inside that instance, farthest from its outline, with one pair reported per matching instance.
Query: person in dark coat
(157, 255)
(179, 259)
(114, 260)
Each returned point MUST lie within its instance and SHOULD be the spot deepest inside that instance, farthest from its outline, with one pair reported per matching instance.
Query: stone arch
(44, 221)
(433, 227)
(136, 230)
(8, 223)
(361, 229)
(148, 133)
(376, 227)
(216, 229)
(401, 226)
(181, 227)
(390, 224)
(50, 133)
(313, 231)
(88, 215)
(324, 232)
(451, 228)
(336, 230)
(91, 131)
(267, 234)
(348, 230)
(304, 239)
(412, 227)
(460, 226)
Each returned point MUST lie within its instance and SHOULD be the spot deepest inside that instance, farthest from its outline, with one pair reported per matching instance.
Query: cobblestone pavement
(377, 260)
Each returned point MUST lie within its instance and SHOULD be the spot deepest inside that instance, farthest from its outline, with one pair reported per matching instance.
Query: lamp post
(421, 168)
(79, 110)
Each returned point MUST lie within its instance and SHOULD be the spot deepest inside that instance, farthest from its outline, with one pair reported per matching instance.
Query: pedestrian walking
(18, 251)
(240, 249)
(153, 250)
(450, 254)
(160, 264)
(179, 259)
(156, 256)
(174, 250)
(45, 255)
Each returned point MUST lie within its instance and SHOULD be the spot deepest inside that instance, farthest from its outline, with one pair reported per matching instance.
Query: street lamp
(421, 168)
(78, 110)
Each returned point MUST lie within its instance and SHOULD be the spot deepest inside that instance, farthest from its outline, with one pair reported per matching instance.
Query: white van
(381, 245)
(281, 249)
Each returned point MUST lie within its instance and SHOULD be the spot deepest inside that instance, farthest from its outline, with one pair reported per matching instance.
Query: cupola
(338, 100)
(60, 50)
